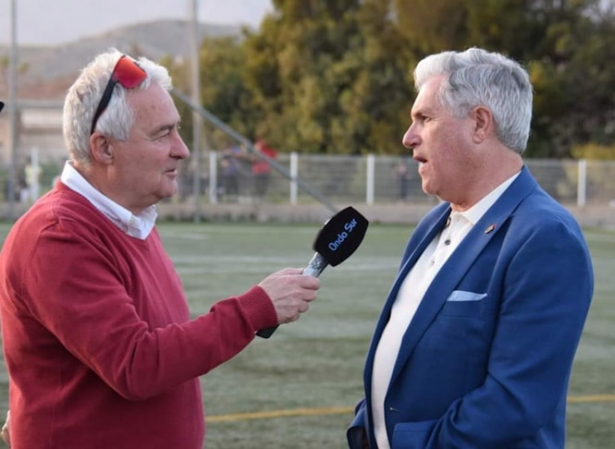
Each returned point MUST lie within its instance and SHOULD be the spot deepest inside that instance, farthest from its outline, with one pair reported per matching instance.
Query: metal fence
(384, 179)
(348, 179)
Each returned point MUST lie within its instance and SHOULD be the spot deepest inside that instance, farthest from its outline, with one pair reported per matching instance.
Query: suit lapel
(456, 266)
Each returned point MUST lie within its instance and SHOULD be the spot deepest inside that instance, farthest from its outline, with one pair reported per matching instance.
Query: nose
(411, 138)
(179, 149)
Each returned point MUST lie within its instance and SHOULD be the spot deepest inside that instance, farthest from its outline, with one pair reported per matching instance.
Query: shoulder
(540, 213)
(60, 214)
(544, 237)
(60, 206)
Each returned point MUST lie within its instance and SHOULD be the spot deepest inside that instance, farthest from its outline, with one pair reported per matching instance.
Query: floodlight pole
(196, 97)
(12, 110)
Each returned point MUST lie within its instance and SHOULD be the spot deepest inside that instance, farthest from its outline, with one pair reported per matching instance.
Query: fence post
(213, 177)
(369, 191)
(294, 171)
(582, 183)
(33, 176)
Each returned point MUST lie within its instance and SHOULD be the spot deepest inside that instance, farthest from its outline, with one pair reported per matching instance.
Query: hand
(6, 436)
(290, 292)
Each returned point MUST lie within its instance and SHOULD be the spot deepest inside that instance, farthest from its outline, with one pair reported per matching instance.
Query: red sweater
(98, 340)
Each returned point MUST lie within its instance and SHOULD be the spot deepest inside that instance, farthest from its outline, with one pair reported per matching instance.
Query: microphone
(1, 106)
(336, 241)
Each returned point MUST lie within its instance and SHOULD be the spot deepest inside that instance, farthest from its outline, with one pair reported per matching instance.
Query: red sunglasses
(129, 74)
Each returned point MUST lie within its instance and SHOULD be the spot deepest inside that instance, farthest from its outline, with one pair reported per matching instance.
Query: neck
(98, 177)
(493, 173)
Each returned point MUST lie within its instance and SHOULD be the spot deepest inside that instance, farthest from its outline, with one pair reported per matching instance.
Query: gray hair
(476, 77)
(85, 94)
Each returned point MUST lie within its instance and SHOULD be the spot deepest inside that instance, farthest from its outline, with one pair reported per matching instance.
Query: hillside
(46, 71)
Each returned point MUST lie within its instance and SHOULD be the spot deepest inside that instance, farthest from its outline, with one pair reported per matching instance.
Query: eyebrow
(165, 127)
(420, 111)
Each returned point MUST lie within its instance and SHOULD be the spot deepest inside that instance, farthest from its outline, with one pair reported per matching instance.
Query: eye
(420, 118)
(163, 134)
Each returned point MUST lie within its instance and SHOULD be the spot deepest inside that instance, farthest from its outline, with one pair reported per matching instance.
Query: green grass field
(296, 390)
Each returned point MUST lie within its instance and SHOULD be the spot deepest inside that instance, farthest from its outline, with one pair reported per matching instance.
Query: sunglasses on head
(129, 74)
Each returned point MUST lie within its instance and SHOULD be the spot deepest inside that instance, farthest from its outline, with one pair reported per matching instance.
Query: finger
(308, 282)
(304, 307)
(290, 271)
(309, 295)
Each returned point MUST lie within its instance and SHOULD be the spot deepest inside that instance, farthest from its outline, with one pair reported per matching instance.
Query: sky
(54, 22)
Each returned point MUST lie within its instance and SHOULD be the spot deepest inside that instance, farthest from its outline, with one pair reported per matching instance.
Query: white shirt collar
(138, 226)
(477, 211)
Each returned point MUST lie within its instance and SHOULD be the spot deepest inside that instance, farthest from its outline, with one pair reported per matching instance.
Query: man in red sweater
(97, 336)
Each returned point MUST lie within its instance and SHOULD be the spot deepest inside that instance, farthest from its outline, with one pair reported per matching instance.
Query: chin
(167, 195)
(169, 190)
(427, 189)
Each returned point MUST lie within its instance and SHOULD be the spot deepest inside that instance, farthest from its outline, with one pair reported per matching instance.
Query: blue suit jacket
(486, 360)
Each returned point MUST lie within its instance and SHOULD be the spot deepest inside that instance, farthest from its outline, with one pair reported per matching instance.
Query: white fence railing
(358, 179)
(383, 179)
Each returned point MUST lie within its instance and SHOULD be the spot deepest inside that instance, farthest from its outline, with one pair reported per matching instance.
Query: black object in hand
(336, 241)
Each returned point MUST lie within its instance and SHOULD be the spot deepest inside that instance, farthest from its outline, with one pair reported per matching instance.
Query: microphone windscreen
(341, 235)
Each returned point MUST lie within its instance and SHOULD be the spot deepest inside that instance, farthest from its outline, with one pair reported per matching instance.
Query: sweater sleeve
(120, 327)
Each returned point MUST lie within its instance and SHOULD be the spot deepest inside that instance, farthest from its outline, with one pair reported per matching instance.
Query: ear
(483, 124)
(101, 148)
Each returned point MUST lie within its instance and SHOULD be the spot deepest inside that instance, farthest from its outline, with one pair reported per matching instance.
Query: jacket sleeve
(357, 432)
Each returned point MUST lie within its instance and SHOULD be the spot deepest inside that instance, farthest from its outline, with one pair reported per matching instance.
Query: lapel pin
(490, 228)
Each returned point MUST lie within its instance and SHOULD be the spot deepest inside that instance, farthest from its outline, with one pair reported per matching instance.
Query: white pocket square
(460, 295)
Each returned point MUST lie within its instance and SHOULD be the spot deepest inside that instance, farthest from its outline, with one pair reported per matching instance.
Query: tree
(223, 91)
(330, 77)
(335, 76)
(567, 46)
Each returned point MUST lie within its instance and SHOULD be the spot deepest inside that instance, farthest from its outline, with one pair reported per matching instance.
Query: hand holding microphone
(336, 241)
(290, 292)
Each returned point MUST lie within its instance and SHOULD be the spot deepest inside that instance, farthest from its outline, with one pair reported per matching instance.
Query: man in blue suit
(474, 346)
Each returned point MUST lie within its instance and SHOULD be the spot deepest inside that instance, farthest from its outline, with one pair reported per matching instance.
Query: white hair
(85, 94)
(476, 77)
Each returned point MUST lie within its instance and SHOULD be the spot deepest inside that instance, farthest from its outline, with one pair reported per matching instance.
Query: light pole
(12, 110)
(196, 98)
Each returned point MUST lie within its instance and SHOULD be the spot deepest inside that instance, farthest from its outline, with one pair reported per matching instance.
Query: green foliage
(573, 74)
(335, 77)
(594, 151)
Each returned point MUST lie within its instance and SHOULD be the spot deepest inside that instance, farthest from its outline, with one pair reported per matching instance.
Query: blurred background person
(261, 170)
(403, 176)
(231, 172)
(32, 179)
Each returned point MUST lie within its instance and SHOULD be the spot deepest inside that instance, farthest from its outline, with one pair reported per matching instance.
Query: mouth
(419, 159)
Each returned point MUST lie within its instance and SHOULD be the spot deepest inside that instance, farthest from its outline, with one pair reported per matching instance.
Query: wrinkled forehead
(153, 107)
(429, 93)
